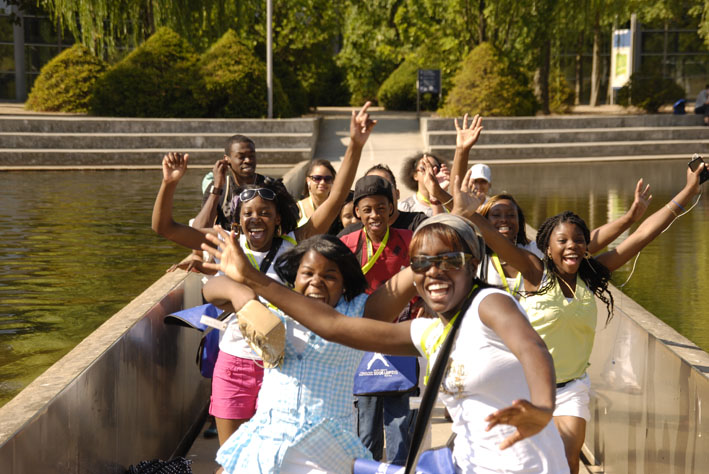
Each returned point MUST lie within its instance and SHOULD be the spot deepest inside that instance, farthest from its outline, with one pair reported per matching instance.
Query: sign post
(428, 81)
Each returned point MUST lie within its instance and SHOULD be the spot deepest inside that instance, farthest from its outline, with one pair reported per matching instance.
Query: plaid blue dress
(306, 404)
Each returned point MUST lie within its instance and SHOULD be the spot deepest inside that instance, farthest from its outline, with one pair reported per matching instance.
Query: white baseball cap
(480, 170)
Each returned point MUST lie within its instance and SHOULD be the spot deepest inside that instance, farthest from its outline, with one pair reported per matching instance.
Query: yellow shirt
(567, 327)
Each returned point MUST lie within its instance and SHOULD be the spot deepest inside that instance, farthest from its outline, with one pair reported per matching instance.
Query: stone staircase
(575, 138)
(78, 141)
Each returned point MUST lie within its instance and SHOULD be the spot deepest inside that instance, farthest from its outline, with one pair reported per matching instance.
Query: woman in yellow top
(318, 183)
(560, 299)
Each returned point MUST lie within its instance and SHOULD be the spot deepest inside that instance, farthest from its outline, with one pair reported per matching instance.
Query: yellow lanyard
(371, 260)
(498, 267)
(250, 256)
(421, 198)
(428, 352)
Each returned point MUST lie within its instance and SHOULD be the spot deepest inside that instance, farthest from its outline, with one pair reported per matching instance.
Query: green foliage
(561, 95)
(233, 82)
(154, 80)
(65, 83)
(649, 92)
(398, 92)
(488, 84)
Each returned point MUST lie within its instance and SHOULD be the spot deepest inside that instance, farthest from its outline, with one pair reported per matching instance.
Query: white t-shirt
(483, 376)
(514, 284)
(412, 204)
(232, 342)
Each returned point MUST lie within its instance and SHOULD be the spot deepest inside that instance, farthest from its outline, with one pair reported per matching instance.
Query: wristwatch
(215, 190)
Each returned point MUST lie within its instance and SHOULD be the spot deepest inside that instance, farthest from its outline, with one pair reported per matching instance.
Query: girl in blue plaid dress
(305, 418)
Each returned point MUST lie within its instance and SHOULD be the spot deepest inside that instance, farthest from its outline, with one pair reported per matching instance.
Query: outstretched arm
(226, 294)
(531, 268)
(607, 233)
(316, 315)
(360, 127)
(466, 137)
(501, 314)
(208, 214)
(653, 225)
(174, 166)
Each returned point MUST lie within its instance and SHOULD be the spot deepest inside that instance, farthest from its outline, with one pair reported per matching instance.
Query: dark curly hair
(333, 249)
(408, 169)
(593, 273)
(285, 204)
(484, 210)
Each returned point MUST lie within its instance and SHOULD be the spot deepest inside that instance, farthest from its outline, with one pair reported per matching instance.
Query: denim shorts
(235, 386)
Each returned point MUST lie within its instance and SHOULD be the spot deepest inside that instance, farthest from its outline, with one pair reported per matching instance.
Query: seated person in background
(701, 106)
(413, 173)
(318, 182)
(482, 177)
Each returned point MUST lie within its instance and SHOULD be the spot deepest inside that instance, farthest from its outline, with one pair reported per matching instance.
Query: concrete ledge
(128, 392)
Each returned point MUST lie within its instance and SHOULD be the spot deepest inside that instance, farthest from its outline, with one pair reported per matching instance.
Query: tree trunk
(481, 23)
(578, 89)
(544, 67)
(596, 64)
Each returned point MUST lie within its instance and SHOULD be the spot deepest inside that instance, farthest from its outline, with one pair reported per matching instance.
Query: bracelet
(671, 210)
(679, 205)
(216, 191)
(447, 202)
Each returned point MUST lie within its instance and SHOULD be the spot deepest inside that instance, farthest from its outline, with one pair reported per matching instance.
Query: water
(77, 246)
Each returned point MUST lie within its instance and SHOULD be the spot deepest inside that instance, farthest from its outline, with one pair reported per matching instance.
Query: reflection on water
(77, 246)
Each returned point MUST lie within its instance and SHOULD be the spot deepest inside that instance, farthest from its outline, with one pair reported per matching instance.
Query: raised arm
(317, 316)
(653, 225)
(208, 214)
(501, 314)
(607, 233)
(466, 137)
(174, 166)
(387, 301)
(360, 127)
(531, 268)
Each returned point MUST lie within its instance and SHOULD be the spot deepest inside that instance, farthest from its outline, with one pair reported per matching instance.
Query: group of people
(353, 271)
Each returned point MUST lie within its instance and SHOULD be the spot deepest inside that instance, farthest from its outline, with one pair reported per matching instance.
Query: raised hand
(693, 178)
(641, 201)
(529, 420)
(468, 135)
(174, 166)
(361, 125)
(465, 199)
(219, 172)
(232, 261)
(430, 181)
(443, 176)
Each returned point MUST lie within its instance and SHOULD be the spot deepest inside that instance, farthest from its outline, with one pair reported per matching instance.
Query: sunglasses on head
(318, 177)
(265, 193)
(444, 261)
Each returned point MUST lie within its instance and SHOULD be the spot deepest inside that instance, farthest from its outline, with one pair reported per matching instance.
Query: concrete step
(572, 135)
(142, 156)
(482, 153)
(174, 141)
(84, 124)
(570, 121)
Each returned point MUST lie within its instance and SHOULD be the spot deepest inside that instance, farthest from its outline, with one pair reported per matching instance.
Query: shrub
(488, 84)
(561, 96)
(649, 91)
(398, 92)
(155, 80)
(233, 82)
(65, 83)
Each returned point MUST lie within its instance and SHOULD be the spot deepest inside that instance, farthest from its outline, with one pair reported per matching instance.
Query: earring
(587, 255)
(278, 230)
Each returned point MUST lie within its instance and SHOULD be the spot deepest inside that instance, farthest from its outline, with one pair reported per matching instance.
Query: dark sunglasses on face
(444, 261)
(265, 193)
(318, 177)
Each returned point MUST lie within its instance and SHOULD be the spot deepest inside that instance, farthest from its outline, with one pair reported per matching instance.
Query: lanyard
(371, 260)
(250, 256)
(422, 198)
(428, 352)
(498, 267)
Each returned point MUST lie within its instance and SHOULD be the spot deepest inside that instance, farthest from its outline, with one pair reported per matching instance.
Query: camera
(696, 161)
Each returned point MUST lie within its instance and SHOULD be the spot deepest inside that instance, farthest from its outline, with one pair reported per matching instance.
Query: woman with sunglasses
(318, 183)
(266, 216)
(306, 402)
(499, 386)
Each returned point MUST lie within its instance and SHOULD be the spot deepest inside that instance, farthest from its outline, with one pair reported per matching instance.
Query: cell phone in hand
(696, 161)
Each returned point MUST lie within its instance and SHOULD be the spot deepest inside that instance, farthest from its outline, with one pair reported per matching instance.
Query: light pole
(269, 58)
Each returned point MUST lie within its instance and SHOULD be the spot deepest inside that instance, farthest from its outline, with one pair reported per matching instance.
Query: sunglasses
(444, 261)
(318, 177)
(265, 193)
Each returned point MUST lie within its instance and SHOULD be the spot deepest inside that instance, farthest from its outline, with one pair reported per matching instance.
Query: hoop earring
(587, 255)
(279, 232)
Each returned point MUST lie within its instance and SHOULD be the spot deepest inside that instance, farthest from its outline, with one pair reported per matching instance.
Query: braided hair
(593, 273)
